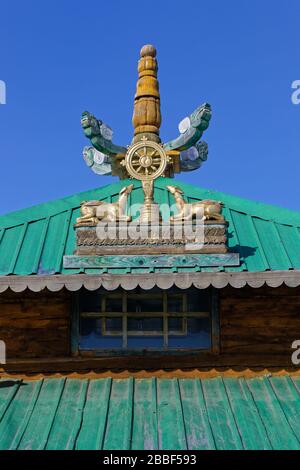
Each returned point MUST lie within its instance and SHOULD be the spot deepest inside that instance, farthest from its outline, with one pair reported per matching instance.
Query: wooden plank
(171, 431)
(215, 322)
(152, 361)
(39, 425)
(278, 429)
(224, 429)
(157, 261)
(144, 427)
(18, 414)
(197, 427)
(93, 425)
(119, 420)
(75, 324)
(247, 418)
(8, 389)
(287, 391)
(68, 417)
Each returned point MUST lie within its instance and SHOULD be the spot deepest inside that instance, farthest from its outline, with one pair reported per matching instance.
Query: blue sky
(61, 57)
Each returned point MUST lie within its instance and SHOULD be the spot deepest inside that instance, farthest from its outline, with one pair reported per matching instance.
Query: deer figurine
(94, 211)
(207, 209)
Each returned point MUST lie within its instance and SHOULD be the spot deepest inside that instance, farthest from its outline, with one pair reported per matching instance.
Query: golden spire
(146, 114)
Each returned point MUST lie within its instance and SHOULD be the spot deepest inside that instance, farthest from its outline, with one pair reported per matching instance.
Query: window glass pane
(144, 324)
(113, 304)
(144, 304)
(175, 304)
(197, 300)
(113, 324)
(198, 335)
(89, 301)
(145, 333)
(91, 336)
(145, 342)
(175, 324)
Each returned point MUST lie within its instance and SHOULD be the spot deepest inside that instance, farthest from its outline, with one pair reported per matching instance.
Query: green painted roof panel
(148, 413)
(34, 240)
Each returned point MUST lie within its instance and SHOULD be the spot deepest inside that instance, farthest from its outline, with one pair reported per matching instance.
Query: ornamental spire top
(184, 153)
(146, 114)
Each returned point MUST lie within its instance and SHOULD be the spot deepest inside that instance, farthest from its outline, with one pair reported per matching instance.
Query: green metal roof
(148, 413)
(34, 240)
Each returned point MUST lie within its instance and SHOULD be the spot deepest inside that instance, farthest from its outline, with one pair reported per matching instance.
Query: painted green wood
(289, 399)
(197, 427)
(157, 261)
(71, 240)
(257, 413)
(247, 418)
(254, 237)
(32, 238)
(291, 240)
(225, 432)
(279, 431)
(119, 420)
(8, 389)
(171, 430)
(296, 382)
(92, 128)
(272, 245)
(144, 426)
(48, 259)
(17, 416)
(93, 425)
(39, 426)
(68, 417)
(199, 121)
(233, 240)
(10, 240)
(248, 244)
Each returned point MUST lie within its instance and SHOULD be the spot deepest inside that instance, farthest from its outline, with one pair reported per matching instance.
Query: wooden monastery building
(165, 340)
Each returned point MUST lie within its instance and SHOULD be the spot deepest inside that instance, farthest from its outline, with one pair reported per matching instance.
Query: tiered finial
(146, 115)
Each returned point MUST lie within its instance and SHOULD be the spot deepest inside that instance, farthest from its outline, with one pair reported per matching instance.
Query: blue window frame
(155, 320)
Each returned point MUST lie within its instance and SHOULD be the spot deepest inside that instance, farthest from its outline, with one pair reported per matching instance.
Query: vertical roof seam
(62, 247)
(259, 243)
(15, 257)
(282, 244)
(36, 262)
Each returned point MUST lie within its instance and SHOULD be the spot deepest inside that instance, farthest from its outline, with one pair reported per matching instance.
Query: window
(173, 320)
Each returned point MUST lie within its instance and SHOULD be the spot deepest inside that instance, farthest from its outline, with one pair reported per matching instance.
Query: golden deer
(94, 211)
(208, 209)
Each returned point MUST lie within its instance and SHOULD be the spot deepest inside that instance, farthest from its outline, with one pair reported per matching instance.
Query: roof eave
(74, 282)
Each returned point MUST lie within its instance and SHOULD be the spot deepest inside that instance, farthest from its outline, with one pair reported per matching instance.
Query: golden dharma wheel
(146, 160)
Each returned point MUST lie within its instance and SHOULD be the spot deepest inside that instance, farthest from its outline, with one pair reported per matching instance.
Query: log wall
(257, 328)
(262, 321)
(35, 325)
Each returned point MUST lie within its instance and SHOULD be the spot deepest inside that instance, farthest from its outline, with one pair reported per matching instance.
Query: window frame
(213, 314)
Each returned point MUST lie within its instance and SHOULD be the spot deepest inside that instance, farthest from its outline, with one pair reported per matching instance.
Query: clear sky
(61, 57)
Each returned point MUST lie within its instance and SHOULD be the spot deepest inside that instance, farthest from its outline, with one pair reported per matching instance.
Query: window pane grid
(171, 327)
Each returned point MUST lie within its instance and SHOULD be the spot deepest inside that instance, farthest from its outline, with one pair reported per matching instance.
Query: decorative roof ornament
(147, 158)
(184, 153)
(118, 228)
